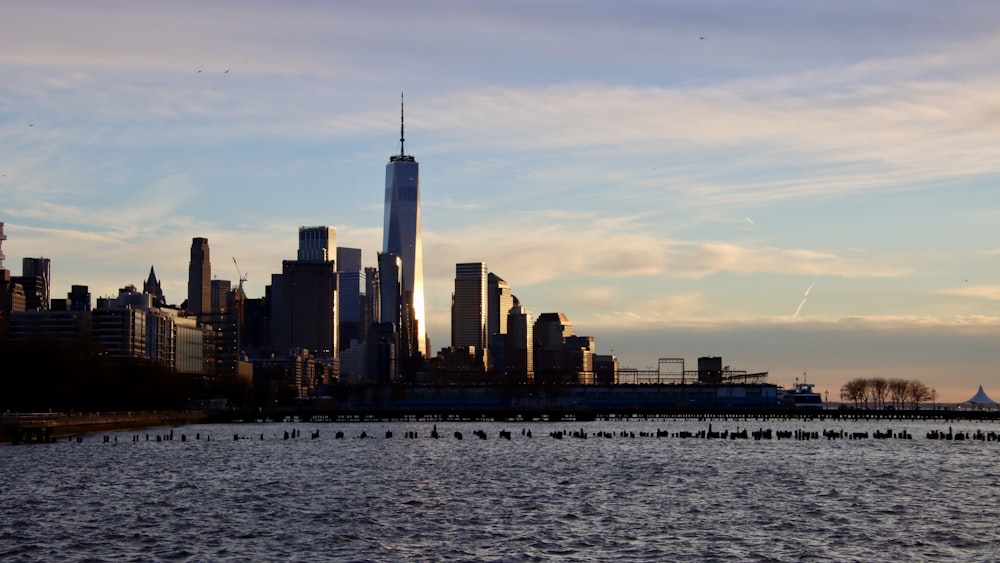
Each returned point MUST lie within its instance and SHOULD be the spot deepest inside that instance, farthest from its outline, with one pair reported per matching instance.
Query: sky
(808, 189)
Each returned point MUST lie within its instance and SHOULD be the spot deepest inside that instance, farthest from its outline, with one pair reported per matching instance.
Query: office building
(401, 236)
(468, 308)
(78, 298)
(519, 359)
(36, 279)
(501, 300)
(199, 300)
(304, 308)
(352, 292)
(550, 332)
(317, 244)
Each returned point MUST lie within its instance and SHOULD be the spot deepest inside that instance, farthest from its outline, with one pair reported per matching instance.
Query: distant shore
(42, 427)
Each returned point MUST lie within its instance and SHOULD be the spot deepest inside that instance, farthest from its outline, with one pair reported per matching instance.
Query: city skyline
(795, 188)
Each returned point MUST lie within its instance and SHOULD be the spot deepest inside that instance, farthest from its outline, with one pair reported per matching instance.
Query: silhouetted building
(304, 310)
(402, 237)
(152, 287)
(710, 370)
(317, 244)
(519, 358)
(605, 369)
(199, 299)
(352, 292)
(469, 305)
(551, 330)
(65, 325)
(37, 281)
(78, 298)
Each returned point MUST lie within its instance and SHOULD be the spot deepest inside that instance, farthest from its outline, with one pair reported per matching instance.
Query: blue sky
(673, 176)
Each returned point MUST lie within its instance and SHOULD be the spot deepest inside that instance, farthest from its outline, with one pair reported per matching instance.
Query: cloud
(985, 292)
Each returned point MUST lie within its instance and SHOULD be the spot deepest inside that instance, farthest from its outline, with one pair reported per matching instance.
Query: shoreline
(46, 427)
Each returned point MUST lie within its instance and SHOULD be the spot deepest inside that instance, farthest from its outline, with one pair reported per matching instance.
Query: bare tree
(880, 388)
(898, 392)
(855, 390)
(918, 393)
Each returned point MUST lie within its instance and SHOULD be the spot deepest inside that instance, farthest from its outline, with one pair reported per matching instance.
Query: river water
(609, 497)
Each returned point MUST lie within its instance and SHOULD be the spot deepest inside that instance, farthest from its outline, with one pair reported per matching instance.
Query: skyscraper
(199, 299)
(304, 308)
(352, 292)
(519, 346)
(401, 236)
(317, 244)
(36, 278)
(469, 306)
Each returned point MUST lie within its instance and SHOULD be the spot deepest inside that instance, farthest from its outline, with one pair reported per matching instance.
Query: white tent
(981, 399)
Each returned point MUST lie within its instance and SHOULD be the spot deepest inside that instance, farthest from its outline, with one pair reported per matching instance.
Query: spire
(402, 138)
(402, 156)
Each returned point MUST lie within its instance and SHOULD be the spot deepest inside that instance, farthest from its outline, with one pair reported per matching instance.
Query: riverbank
(46, 427)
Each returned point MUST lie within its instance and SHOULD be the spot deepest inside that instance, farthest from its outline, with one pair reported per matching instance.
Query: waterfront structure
(199, 300)
(402, 237)
(469, 304)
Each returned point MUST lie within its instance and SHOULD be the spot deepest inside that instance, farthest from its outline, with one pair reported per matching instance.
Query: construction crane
(243, 277)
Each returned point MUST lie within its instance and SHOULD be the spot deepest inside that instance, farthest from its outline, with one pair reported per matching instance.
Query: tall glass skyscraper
(401, 236)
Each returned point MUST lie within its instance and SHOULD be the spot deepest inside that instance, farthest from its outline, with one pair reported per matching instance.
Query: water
(526, 499)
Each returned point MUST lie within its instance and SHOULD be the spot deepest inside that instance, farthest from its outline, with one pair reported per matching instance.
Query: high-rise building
(551, 331)
(199, 299)
(468, 307)
(352, 292)
(78, 298)
(519, 346)
(317, 244)
(401, 236)
(501, 300)
(304, 307)
(36, 277)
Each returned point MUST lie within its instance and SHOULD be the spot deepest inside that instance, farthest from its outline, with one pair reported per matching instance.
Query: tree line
(881, 393)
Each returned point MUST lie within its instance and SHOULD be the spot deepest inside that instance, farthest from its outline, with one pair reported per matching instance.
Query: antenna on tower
(402, 139)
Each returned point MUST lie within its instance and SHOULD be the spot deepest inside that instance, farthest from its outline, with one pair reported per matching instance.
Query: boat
(801, 396)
